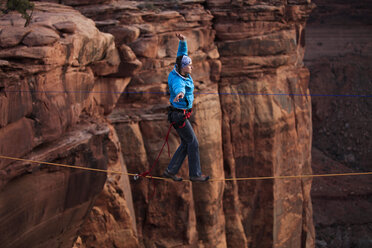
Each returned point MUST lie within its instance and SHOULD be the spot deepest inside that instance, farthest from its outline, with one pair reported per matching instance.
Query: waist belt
(171, 108)
(186, 115)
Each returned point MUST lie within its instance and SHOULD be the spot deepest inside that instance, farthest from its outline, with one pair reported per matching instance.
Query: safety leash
(147, 173)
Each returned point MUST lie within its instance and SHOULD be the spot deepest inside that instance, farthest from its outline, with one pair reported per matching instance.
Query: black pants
(189, 144)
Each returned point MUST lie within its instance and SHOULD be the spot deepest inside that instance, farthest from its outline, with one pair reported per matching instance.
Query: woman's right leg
(178, 158)
(188, 138)
(189, 146)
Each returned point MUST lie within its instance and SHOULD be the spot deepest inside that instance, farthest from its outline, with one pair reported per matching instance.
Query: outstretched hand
(178, 97)
(180, 36)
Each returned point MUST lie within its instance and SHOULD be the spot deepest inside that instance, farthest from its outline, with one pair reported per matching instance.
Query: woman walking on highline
(181, 87)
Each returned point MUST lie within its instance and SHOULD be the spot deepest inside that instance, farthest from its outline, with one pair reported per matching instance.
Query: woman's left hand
(178, 97)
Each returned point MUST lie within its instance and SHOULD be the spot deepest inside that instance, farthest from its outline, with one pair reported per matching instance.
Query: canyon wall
(339, 48)
(338, 55)
(51, 73)
(247, 59)
(252, 117)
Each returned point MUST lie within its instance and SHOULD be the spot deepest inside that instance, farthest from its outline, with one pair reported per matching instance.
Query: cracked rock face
(51, 73)
(338, 55)
(252, 115)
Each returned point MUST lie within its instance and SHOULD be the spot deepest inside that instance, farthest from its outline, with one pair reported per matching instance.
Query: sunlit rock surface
(51, 109)
(252, 117)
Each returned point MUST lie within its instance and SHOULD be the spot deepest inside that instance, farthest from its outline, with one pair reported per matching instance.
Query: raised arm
(182, 45)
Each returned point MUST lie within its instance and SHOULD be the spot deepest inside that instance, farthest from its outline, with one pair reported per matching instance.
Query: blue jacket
(177, 83)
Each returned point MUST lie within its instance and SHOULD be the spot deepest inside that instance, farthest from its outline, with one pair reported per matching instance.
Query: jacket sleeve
(179, 86)
(182, 48)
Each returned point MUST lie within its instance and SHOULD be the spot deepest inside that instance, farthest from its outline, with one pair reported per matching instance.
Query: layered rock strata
(52, 75)
(341, 205)
(252, 118)
(266, 122)
(111, 222)
(338, 55)
(248, 117)
(339, 50)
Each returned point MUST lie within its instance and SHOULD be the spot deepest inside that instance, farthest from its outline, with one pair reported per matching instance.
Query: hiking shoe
(199, 179)
(171, 176)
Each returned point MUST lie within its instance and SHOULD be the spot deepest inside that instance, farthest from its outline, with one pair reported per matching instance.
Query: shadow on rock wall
(249, 119)
(338, 55)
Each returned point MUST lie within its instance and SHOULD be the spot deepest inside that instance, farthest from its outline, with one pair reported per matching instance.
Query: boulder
(40, 37)
(12, 36)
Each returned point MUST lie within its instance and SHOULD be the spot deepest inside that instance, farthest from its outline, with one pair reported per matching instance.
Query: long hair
(178, 63)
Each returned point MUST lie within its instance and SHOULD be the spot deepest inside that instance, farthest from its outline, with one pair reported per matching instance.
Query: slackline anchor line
(167, 179)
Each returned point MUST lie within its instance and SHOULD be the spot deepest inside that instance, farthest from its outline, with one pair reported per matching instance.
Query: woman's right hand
(178, 97)
(180, 36)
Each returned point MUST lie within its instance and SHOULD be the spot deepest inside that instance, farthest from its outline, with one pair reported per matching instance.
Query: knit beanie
(186, 60)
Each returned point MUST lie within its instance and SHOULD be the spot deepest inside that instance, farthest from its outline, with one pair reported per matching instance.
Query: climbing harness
(187, 115)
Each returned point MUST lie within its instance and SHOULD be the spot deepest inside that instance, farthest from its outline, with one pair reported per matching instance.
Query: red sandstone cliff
(248, 47)
(49, 72)
(248, 51)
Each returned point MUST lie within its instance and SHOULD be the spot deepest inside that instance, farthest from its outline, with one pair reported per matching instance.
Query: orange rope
(167, 179)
